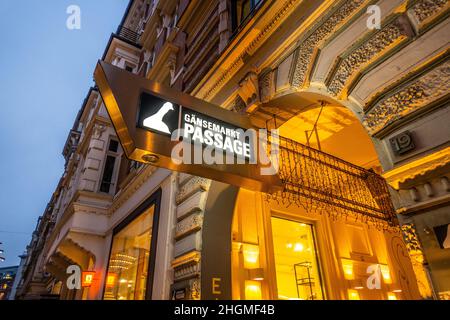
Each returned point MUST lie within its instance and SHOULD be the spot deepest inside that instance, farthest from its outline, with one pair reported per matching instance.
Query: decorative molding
(142, 175)
(266, 86)
(306, 52)
(432, 86)
(368, 51)
(188, 225)
(207, 92)
(420, 167)
(424, 12)
(269, 28)
(239, 104)
(186, 266)
(249, 91)
(194, 290)
(418, 261)
(190, 187)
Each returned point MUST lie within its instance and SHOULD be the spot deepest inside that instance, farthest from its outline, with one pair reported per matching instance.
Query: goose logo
(156, 122)
(157, 115)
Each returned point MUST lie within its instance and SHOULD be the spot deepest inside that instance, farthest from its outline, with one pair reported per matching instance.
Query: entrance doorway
(296, 260)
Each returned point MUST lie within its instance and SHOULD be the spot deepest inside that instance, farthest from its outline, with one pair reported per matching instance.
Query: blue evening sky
(45, 73)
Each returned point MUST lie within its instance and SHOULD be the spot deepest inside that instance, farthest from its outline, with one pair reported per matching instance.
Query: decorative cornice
(432, 86)
(190, 187)
(188, 225)
(142, 175)
(367, 52)
(425, 11)
(306, 52)
(418, 167)
(280, 16)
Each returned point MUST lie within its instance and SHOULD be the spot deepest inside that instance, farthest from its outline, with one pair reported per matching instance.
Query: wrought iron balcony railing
(319, 181)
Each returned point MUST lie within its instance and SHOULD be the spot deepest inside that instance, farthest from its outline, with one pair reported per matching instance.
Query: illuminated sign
(87, 278)
(111, 279)
(163, 117)
(155, 124)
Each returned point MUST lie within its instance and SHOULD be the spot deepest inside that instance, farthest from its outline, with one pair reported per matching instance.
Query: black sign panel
(164, 117)
(157, 115)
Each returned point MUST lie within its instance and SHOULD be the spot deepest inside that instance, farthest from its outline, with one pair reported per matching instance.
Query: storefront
(131, 263)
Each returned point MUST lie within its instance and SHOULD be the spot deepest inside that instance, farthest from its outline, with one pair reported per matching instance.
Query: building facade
(358, 101)
(7, 276)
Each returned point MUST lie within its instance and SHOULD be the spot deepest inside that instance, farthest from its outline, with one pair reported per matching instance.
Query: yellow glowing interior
(129, 259)
(297, 269)
(334, 125)
(253, 290)
(347, 267)
(251, 256)
(385, 273)
(392, 296)
(353, 294)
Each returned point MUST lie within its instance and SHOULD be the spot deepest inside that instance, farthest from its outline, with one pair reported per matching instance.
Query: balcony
(322, 182)
(128, 35)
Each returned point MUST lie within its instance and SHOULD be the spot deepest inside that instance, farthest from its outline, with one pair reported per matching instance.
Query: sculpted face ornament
(156, 122)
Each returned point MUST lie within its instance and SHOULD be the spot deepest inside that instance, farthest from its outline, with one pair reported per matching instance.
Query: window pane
(129, 260)
(107, 174)
(296, 263)
(245, 10)
(113, 145)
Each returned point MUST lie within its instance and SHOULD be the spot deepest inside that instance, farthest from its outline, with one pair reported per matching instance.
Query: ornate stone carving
(98, 130)
(171, 64)
(249, 90)
(186, 266)
(323, 30)
(266, 86)
(256, 43)
(195, 291)
(188, 225)
(417, 259)
(433, 85)
(425, 9)
(239, 104)
(375, 46)
(192, 186)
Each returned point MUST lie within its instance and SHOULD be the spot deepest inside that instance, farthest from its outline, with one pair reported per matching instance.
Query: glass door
(296, 260)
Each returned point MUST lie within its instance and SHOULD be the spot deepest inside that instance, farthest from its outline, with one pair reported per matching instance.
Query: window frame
(237, 27)
(318, 255)
(154, 199)
(115, 173)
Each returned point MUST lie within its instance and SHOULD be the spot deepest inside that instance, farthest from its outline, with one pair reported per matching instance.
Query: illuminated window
(131, 262)
(296, 263)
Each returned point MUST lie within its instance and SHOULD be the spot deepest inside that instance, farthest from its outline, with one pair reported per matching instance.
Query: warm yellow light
(111, 279)
(87, 278)
(252, 290)
(385, 273)
(347, 267)
(289, 245)
(395, 176)
(353, 294)
(251, 255)
(392, 296)
(298, 247)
